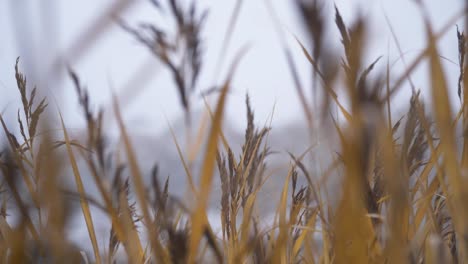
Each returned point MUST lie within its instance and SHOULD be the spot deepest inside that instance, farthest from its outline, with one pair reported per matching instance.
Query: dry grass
(402, 195)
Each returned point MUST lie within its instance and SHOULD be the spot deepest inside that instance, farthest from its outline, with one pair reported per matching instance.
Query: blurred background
(51, 35)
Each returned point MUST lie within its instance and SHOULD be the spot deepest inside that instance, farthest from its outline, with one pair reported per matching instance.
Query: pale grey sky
(41, 31)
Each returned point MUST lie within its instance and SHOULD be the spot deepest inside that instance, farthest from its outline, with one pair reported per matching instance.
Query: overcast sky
(43, 31)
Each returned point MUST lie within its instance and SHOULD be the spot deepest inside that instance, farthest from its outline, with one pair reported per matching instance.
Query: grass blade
(81, 191)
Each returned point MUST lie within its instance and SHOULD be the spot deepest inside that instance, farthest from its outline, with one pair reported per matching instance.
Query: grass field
(400, 190)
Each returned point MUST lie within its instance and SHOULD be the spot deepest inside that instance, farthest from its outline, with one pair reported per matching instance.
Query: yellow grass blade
(132, 242)
(126, 234)
(5, 229)
(195, 147)
(240, 249)
(199, 218)
(24, 174)
(139, 185)
(182, 159)
(280, 256)
(247, 218)
(443, 117)
(328, 89)
(28, 183)
(81, 191)
(300, 240)
(222, 136)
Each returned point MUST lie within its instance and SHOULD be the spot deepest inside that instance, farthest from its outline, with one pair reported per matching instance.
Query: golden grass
(402, 185)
